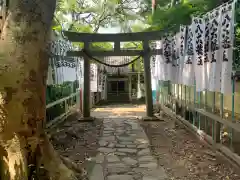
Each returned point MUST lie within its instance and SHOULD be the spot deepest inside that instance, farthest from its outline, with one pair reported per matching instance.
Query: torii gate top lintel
(87, 38)
(122, 37)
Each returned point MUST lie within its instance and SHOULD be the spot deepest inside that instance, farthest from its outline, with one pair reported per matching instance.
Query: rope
(110, 65)
(97, 60)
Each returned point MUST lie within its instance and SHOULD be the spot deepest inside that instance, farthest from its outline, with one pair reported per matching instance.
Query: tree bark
(24, 145)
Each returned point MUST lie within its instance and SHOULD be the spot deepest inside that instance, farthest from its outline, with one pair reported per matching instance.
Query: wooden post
(147, 80)
(138, 80)
(217, 125)
(86, 84)
(117, 45)
(130, 87)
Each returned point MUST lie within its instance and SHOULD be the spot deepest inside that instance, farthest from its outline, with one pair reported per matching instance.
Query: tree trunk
(23, 69)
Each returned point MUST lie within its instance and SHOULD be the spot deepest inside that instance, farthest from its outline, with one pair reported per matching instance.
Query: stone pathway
(124, 153)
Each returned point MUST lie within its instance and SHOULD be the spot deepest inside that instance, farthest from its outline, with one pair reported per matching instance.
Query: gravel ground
(183, 156)
(77, 141)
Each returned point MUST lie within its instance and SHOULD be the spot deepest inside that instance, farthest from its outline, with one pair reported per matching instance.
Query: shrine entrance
(121, 86)
(118, 87)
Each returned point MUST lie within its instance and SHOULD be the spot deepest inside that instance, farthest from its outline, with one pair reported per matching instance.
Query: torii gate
(143, 37)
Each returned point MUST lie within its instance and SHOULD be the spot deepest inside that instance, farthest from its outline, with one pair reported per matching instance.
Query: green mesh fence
(184, 101)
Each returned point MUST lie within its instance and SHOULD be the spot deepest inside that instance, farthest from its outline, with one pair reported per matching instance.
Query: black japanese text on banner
(226, 47)
(93, 78)
(198, 30)
(207, 55)
(153, 60)
(175, 58)
(214, 59)
(157, 65)
(188, 67)
(181, 53)
(154, 66)
(167, 54)
(100, 78)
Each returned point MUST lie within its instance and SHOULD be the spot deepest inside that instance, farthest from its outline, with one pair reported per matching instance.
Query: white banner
(226, 47)
(198, 43)
(167, 56)
(64, 71)
(80, 72)
(153, 60)
(175, 58)
(153, 83)
(182, 50)
(159, 67)
(188, 67)
(100, 79)
(70, 74)
(156, 68)
(207, 53)
(58, 73)
(93, 78)
(215, 60)
(104, 88)
(153, 66)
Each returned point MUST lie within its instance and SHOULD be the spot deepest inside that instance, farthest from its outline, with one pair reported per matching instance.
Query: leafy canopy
(89, 15)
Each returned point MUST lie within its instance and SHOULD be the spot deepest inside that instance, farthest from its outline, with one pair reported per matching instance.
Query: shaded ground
(77, 141)
(181, 155)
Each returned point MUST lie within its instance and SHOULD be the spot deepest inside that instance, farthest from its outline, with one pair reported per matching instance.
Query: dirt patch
(77, 141)
(183, 156)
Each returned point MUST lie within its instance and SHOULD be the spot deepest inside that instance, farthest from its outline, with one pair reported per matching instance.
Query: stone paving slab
(124, 153)
(98, 173)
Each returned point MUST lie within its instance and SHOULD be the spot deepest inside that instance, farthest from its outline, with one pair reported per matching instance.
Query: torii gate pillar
(147, 80)
(86, 85)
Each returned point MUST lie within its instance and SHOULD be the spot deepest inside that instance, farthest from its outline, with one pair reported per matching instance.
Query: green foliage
(236, 63)
(182, 13)
(97, 13)
(159, 3)
(57, 27)
(133, 45)
(96, 46)
(80, 28)
(102, 46)
(88, 16)
(56, 92)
